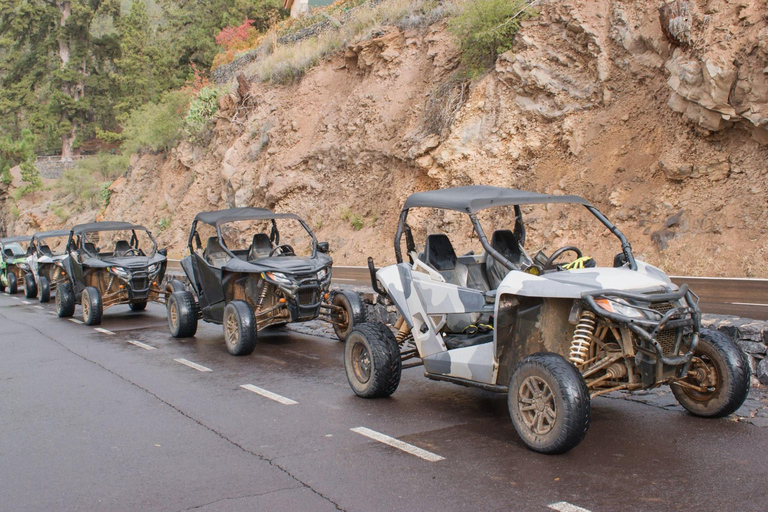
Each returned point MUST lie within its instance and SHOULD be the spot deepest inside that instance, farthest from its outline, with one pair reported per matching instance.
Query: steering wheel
(550, 264)
(285, 250)
(133, 251)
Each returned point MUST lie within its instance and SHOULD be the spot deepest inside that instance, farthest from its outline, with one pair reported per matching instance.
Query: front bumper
(682, 315)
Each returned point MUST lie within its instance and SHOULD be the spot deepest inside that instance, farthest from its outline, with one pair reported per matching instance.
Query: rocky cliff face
(659, 118)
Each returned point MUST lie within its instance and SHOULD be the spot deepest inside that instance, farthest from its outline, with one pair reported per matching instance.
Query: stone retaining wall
(750, 335)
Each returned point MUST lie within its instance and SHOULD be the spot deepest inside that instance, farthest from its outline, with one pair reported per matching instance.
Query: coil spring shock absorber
(582, 338)
(261, 296)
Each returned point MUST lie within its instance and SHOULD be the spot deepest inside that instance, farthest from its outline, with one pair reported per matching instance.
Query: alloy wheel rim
(709, 377)
(174, 314)
(86, 306)
(536, 402)
(232, 330)
(361, 362)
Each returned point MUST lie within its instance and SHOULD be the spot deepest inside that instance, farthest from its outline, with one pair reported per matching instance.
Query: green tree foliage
(156, 126)
(485, 29)
(135, 66)
(20, 152)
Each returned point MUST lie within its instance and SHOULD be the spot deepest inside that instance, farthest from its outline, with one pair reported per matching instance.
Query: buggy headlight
(322, 274)
(278, 277)
(119, 272)
(152, 269)
(621, 307)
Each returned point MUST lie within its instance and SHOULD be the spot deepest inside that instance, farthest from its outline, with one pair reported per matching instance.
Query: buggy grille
(665, 337)
(306, 297)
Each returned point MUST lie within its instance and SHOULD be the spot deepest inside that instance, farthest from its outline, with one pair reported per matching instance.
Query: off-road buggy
(551, 335)
(14, 267)
(46, 252)
(110, 263)
(247, 277)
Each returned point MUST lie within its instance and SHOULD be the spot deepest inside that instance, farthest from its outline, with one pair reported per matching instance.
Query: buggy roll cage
(472, 199)
(129, 227)
(219, 219)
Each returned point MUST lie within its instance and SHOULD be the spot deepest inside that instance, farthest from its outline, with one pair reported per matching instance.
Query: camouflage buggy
(14, 267)
(551, 335)
(110, 263)
(46, 253)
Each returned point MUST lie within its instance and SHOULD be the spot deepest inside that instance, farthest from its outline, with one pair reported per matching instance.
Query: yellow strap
(578, 263)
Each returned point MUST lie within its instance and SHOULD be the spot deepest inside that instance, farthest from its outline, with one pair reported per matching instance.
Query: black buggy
(246, 277)
(14, 266)
(110, 263)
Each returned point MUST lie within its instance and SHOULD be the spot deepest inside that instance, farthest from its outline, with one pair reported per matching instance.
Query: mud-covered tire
(45, 289)
(732, 376)
(65, 300)
(175, 286)
(13, 283)
(30, 286)
(182, 314)
(93, 308)
(539, 382)
(138, 306)
(372, 360)
(354, 312)
(239, 328)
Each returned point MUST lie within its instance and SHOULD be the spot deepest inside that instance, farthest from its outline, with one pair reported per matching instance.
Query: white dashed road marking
(268, 394)
(564, 506)
(196, 366)
(25, 302)
(102, 331)
(39, 307)
(396, 443)
(75, 320)
(53, 313)
(142, 345)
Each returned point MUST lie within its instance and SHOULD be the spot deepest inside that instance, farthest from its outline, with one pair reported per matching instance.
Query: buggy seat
(214, 253)
(260, 247)
(122, 248)
(45, 250)
(505, 242)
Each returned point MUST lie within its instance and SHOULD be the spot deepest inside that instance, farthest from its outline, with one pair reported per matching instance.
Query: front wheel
(30, 286)
(65, 300)
(182, 314)
(372, 360)
(45, 289)
(721, 373)
(239, 328)
(93, 308)
(350, 314)
(549, 403)
(13, 283)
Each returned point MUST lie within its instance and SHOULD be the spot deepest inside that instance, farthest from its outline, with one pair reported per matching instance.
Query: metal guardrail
(719, 295)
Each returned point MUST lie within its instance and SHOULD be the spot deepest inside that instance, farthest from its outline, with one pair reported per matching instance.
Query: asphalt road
(90, 421)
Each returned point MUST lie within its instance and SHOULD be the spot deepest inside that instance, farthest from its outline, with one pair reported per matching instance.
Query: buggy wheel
(353, 313)
(65, 300)
(174, 285)
(549, 403)
(13, 283)
(239, 328)
(93, 309)
(138, 306)
(182, 314)
(45, 289)
(719, 366)
(2, 285)
(372, 360)
(30, 286)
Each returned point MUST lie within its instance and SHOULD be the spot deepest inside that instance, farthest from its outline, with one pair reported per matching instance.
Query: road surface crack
(232, 498)
(271, 462)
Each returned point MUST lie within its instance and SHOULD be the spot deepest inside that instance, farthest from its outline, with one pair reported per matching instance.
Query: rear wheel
(65, 300)
(239, 328)
(352, 313)
(721, 372)
(372, 360)
(13, 283)
(30, 286)
(549, 403)
(182, 314)
(45, 289)
(138, 306)
(93, 309)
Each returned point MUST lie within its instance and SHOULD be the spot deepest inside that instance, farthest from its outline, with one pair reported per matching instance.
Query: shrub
(82, 186)
(156, 126)
(357, 222)
(110, 167)
(164, 223)
(201, 112)
(486, 28)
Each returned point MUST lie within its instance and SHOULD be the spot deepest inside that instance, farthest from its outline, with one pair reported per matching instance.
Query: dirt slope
(668, 138)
